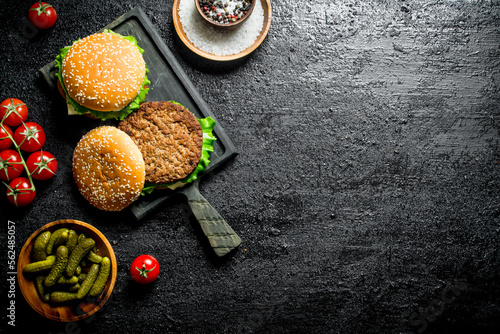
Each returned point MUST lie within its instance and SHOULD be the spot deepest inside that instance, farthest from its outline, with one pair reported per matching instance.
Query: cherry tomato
(21, 192)
(13, 112)
(10, 165)
(42, 15)
(41, 165)
(145, 269)
(30, 137)
(5, 140)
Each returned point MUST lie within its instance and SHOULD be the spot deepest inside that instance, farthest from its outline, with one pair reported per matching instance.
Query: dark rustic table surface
(366, 190)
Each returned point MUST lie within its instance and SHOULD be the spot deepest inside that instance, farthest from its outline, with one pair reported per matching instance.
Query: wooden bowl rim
(26, 285)
(225, 26)
(266, 5)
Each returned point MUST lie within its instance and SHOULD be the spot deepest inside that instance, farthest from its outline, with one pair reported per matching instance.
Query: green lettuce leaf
(207, 126)
(120, 114)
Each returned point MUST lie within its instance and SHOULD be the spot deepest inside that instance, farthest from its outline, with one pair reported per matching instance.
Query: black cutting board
(169, 82)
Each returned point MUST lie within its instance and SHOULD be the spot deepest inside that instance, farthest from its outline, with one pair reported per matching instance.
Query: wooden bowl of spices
(74, 309)
(218, 46)
(225, 14)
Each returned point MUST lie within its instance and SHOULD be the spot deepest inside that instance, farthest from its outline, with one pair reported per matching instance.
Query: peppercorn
(225, 11)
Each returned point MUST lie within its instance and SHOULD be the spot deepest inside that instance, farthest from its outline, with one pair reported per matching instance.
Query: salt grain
(218, 42)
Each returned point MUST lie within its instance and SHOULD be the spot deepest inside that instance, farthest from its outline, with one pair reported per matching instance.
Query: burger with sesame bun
(108, 168)
(103, 75)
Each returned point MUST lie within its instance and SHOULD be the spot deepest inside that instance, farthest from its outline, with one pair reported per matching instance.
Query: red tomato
(10, 165)
(41, 165)
(13, 112)
(21, 192)
(42, 15)
(5, 140)
(145, 269)
(30, 137)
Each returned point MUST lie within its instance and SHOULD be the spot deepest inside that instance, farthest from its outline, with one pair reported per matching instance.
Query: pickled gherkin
(38, 253)
(41, 288)
(102, 278)
(57, 238)
(88, 281)
(77, 255)
(59, 266)
(35, 267)
(72, 240)
(62, 296)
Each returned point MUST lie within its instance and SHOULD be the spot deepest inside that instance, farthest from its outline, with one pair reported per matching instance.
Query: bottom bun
(108, 168)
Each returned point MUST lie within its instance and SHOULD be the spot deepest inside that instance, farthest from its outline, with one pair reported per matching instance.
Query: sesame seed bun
(170, 139)
(108, 168)
(103, 72)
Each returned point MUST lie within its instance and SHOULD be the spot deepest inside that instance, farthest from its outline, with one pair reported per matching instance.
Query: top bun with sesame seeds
(108, 168)
(103, 75)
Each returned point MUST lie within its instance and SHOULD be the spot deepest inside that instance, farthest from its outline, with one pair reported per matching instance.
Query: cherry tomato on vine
(41, 165)
(30, 137)
(10, 165)
(21, 192)
(145, 269)
(42, 15)
(5, 141)
(13, 112)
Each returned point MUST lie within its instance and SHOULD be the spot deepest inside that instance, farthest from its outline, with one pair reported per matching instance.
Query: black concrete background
(366, 191)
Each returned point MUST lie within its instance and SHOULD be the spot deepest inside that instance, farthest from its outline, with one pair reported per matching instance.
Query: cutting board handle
(221, 236)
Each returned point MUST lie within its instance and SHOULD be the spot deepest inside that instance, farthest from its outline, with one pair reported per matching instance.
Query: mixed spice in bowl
(225, 14)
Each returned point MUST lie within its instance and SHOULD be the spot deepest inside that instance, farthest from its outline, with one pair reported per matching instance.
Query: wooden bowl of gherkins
(66, 270)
